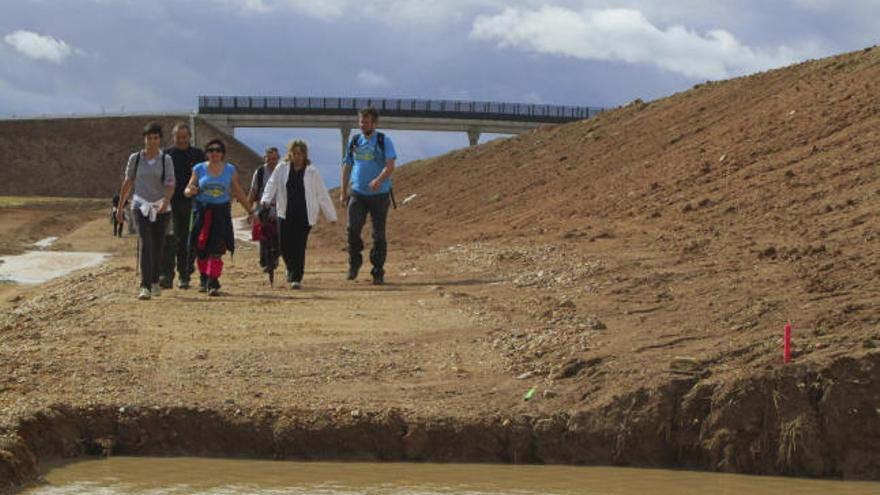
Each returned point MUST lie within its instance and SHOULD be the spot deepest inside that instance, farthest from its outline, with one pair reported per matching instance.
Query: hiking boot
(144, 294)
(166, 283)
(213, 287)
(378, 280)
(155, 290)
(352, 274)
(203, 283)
(296, 285)
(183, 284)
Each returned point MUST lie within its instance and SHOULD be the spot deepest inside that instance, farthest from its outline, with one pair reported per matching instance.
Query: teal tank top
(214, 190)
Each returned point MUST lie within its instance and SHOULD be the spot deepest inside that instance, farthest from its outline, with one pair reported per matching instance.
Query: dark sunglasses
(213, 150)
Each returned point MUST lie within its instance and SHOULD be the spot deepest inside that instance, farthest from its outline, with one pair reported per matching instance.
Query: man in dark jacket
(177, 251)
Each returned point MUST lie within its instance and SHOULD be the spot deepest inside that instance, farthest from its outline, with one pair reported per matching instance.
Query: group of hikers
(181, 204)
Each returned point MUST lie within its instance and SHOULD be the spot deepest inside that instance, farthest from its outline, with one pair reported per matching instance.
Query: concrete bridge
(472, 117)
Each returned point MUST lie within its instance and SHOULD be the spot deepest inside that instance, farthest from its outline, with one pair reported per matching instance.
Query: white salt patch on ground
(44, 243)
(36, 267)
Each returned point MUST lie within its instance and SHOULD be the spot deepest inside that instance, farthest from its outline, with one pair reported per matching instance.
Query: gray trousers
(359, 205)
(152, 236)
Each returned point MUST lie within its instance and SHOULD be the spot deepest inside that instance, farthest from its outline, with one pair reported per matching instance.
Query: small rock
(356, 413)
(525, 375)
(549, 394)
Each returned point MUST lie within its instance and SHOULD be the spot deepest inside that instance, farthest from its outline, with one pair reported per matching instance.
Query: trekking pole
(137, 267)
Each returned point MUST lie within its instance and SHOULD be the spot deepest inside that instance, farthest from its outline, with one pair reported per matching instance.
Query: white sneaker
(155, 290)
(145, 294)
(295, 285)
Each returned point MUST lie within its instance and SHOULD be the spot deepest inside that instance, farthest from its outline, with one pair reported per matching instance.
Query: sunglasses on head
(213, 150)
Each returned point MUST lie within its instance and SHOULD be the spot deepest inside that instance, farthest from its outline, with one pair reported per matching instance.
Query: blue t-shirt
(368, 162)
(213, 190)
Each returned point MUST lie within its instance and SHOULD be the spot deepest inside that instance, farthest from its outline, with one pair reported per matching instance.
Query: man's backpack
(380, 142)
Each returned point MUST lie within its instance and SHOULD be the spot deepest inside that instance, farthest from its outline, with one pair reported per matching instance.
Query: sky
(62, 57)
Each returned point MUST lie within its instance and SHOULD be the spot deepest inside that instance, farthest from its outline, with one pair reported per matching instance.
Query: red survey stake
(786, 343)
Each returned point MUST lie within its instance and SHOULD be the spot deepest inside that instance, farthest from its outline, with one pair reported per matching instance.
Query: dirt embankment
(634, 270)
(85, 157)
(796, 422)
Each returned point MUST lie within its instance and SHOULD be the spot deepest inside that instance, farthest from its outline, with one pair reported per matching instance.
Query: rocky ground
(611, 291)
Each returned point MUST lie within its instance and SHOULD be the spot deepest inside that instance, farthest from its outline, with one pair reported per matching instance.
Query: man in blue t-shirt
(366, 188)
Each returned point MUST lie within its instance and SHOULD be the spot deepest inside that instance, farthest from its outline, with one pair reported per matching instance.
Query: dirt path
(85, 339)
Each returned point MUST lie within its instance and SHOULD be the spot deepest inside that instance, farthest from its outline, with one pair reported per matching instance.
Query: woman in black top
(300, 194)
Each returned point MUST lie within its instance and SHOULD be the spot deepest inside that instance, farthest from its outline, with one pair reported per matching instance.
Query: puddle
(188, 476)
(36, 267)
(44, 243)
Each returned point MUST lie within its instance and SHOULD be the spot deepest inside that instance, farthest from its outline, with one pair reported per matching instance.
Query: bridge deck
(393, 107)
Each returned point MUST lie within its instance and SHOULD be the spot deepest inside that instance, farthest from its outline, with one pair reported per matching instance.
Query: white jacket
(317, 197)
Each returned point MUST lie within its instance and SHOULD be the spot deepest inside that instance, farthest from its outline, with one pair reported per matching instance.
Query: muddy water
(187, 476)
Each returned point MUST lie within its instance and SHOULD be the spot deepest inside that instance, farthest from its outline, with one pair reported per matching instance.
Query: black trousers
(152, 236)
(359, 206)
(294, 236)
(176, 251)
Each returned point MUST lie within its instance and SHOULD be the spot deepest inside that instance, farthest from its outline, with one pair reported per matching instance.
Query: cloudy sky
(93, 56)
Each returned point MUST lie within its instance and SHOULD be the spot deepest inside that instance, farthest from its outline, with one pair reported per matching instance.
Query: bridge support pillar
(346, 133)
(192, 128)
(221, 123)
(473, 136)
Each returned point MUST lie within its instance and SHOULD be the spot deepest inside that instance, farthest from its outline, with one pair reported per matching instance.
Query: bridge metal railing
(399, 107)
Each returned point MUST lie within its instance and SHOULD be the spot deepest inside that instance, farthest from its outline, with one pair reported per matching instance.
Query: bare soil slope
(85, 157)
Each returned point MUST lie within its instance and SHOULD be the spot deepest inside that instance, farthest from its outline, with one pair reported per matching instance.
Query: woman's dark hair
(153, 128)
(218, 143)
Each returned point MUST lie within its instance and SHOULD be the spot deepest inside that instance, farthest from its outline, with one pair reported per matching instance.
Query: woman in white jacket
(299, 194)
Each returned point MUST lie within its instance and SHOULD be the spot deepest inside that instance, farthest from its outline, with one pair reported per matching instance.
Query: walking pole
(137, 255)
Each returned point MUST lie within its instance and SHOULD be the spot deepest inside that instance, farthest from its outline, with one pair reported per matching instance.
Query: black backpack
(380, 142)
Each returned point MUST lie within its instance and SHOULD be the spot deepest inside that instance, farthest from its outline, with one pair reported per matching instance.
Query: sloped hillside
(671, 241)
(85, 157)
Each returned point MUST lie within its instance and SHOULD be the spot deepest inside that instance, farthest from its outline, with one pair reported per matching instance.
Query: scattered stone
(568, 369)
(527, 374)
(593, 323)
(685, 364)
(356, 413)
(549, 394)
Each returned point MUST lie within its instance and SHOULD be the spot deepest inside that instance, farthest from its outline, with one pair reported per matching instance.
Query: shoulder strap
(162, 164)
(137, 162)
(380, 140)
(353, 144)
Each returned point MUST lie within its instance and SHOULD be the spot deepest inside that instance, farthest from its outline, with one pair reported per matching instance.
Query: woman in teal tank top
(213, 184)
